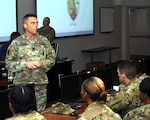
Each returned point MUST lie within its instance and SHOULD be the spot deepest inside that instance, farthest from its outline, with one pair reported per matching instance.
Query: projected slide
(8, 19)
(68, 17)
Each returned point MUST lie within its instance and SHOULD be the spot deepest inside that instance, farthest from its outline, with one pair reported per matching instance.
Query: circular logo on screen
(73, 8)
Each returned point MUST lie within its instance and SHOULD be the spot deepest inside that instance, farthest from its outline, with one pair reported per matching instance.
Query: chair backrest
(56, 47)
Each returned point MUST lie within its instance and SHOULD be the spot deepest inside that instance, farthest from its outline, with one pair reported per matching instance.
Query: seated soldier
(22, 104)
(142, 112)
(4, 46)
(127, 98)
(140, 74)
(94, 94)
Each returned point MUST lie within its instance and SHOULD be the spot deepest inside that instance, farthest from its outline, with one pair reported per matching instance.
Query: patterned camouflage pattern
(121, 87)
(40, 93)
(61, 108)
(22, 50)
(31, 116)
(98, 111)
(127, 98)
(144, 75)
(48, 32)
(140, 113)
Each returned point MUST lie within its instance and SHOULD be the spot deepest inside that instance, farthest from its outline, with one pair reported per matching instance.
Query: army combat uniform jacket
(126, 99)
(144, 75)
(22, 50)
(140, 113)
(48, 32)
(98, 111)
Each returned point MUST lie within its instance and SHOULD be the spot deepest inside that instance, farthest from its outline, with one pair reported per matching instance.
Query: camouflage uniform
(61, 108)
(31, 116)
(122, 86)
(143, 76)
(127, 98)
(98, 111)
(22, 50)
(48, 32)
(140, 113)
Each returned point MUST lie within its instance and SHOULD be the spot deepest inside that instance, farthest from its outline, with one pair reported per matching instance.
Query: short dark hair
(22, 98)
(145, 86)
(29, 15)
(48, 18)
(127, 68)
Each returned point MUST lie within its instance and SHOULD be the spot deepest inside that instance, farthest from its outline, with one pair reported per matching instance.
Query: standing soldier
(29, 57)
(46, 30)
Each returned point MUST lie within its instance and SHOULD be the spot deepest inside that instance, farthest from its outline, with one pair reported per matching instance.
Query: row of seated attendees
(131, 102)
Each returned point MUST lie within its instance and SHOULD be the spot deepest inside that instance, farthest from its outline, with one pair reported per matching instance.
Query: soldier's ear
(84, 94)
(146, 95)
(24, 25)
(123, 76)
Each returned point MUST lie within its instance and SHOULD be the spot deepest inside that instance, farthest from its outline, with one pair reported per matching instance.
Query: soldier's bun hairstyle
(145, 86)
(95, 87)
(22, 98)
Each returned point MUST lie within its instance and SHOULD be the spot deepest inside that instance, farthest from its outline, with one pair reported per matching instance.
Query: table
(50, 116)
(98, 50)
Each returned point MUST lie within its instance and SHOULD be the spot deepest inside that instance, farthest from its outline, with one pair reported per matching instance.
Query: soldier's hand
(30, 65)
(37, 63)
(33, 64)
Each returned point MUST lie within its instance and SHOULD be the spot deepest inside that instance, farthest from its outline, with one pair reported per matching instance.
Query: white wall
(71, 47)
